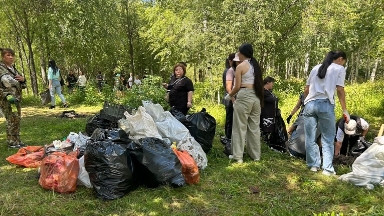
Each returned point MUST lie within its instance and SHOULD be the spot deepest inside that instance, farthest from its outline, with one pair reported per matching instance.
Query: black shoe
(17, 146)
(65, 105)
(52, 107)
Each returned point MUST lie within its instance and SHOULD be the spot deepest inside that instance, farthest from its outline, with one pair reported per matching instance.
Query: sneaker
(65, 105)
(313, 169)
(230, 157)
(328, 173)
(17, 146)
(239, 161)
(52, 107)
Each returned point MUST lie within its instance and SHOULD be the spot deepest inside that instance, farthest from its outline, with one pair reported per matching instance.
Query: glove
(361, 139)
(11, 99)
(346, 116)
(227, 97)
(289, 118)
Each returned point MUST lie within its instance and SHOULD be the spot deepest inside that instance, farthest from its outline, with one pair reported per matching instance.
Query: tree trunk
(357, 66)
(373, 74)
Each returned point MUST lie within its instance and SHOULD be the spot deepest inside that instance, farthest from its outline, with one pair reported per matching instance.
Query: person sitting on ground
(348, 134)
(299, 105)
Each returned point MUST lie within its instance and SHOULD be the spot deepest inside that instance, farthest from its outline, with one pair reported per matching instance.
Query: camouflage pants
(13, 122)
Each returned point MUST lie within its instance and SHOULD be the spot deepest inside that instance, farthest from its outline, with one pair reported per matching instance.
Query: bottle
(173, 146)
(12, 102)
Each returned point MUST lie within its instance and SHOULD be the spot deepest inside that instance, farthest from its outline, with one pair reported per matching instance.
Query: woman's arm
(190, 95)
(297, 107)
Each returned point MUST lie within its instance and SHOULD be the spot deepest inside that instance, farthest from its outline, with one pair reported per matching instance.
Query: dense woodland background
(149, 37)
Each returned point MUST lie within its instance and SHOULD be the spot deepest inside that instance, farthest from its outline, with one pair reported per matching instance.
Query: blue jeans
(319, 113)
(56, 87)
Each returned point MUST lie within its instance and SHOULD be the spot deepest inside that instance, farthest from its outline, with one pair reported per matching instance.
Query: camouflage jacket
(15, 90)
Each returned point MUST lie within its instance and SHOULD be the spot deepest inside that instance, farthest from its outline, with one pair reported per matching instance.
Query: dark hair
(52, 64)
(180, 65)
(230, 58)
(268, 79)
(331, 56)
(183, 63)
(247, 50)
(6, 50)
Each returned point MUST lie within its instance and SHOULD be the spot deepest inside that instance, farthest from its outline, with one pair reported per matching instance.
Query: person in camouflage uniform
(11, 85)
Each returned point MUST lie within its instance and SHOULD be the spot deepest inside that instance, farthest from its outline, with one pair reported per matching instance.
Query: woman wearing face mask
(248, 89)
(180, 89)
(11, 85)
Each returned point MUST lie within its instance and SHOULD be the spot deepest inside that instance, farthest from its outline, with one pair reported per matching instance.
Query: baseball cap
(350, 127)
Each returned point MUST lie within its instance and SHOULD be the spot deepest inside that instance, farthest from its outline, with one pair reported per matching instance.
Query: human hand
(189, 104)
(346, 116)
(227, 97)
(289, 118)
(19, 78)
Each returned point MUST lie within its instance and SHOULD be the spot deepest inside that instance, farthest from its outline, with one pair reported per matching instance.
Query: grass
(286, 186)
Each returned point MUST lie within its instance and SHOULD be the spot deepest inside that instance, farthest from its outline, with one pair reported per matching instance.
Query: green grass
(286, 186)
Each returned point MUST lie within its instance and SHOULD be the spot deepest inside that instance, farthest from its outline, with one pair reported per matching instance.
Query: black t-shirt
(71, 79)
(178, 95)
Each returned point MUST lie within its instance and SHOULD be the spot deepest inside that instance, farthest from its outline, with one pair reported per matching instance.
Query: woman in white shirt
(82, 81)
(319, 109)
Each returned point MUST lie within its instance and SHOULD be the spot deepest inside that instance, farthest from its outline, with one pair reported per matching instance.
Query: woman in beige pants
(247, 106)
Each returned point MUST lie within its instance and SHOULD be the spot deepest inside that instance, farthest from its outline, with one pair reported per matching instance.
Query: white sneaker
(313, 169)
(230, 157)
(239, 161)
(327, 173)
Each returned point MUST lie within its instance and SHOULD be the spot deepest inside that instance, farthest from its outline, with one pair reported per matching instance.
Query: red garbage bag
(188, 167)
(59, 172)
(30, 156)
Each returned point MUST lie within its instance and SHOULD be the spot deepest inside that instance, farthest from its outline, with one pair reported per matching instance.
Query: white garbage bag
(140, 125)
(83, 178)
(190, 145)
(368, 168)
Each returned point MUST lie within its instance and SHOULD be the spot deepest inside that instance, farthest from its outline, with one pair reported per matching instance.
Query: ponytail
(258, 81)
(331, 56)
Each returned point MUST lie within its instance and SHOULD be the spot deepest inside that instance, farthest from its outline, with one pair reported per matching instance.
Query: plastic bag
(171, 128)
(30, 156)
(278, 138)
(189, 168)
(139, 126)
(97, 122)
(59, 172)
(368, 168)
(109, 166)
(202, 127)
(190, 145)
(156, 111)
(160, 160)
(83, 178)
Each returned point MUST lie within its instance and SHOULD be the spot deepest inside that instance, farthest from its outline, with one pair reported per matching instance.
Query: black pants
(347, 144)
(228, 119)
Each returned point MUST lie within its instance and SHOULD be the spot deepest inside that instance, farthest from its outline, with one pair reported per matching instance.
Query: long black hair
(52, 64)
(247, 50)
(230, 58)
(331, 56)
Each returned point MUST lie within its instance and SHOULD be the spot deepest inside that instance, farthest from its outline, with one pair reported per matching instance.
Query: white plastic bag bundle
(156, 111)
(171, 128)
(190, 145)
(80, 140)
(140, 125)
(83, 178)
(368, 168)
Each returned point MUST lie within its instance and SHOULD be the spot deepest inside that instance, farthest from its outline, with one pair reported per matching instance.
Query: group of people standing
(247, 110)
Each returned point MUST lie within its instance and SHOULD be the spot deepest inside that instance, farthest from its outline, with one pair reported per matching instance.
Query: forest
(148, 37)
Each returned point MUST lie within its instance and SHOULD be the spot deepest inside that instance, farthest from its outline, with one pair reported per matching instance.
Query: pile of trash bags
(147, 147)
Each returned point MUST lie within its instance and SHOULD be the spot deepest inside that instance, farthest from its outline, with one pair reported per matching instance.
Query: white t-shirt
(325, 88)
(137, 82)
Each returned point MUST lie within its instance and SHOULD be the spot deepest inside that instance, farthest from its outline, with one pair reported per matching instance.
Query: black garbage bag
(97, 122)
(114, 112)
(156, 163)
(178, 115)
(278, 138)
(202, 127)
(109, 166)
(359, 147)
